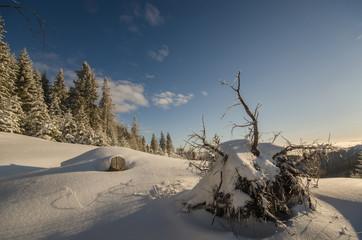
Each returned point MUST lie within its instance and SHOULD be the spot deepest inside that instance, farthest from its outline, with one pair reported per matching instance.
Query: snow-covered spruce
(244, 186)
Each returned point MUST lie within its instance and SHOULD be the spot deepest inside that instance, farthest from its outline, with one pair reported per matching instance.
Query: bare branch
(276, 135)
(41, 23)
(253, 116)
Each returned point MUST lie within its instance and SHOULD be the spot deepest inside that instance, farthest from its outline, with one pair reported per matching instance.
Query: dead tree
(251, 123)
(238, 186)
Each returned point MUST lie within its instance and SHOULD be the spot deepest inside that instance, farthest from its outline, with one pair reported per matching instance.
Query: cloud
(153, 16)
(160, 55)
(132, 18)
(69, 75)
(42, 67)
(204, 93)
(166, 99)
(149, 76)
(136, 9)
(127, 96)
(133, 64)
(126, 18)
(52, 56)
(359, 37)
(133, 28)
(91, 6)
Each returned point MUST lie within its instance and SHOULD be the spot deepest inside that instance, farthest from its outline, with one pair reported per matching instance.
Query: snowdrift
(64, 195)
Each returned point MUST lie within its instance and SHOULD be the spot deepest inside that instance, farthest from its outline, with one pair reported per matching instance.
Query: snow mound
(241, 162)
(98, 159)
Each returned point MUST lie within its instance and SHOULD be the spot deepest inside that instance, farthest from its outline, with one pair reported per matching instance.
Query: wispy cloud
(91, 6)
(127, 96)
(69, 76)
(204, 93)
(153, 15)
(42, 66)
(52, 56)
(160, 54)
(134, 18)
(126, 18)
(133, 28)
(133, 64)
(359, 37)
(149, 76)
(167, 99)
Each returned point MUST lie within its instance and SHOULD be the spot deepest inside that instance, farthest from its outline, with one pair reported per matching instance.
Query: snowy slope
(58, 191)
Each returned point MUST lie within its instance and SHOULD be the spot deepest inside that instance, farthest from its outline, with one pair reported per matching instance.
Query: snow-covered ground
(59, 191)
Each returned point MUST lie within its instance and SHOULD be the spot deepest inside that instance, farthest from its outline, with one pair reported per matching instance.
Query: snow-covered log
(117, 164)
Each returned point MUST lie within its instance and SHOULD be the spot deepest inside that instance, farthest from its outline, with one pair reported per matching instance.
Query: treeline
(30, 105)
(342, 163)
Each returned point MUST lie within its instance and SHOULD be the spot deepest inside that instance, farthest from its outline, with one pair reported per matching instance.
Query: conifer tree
(169, 146)
(144, 145)
(86, 89)
(134, 139)
(122, 136)
(5, 86)
(56, 114)
(84, 134)
(162, 142)
(359, 166)
(46, 88)
(25, 85)
(60, 90)
(69, 128)
(106, 113)
(134, 129)
(154, 146)
(10, 108)
(37, 121)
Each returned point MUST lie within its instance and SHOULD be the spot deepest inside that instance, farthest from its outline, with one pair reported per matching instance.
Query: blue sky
(300, 59)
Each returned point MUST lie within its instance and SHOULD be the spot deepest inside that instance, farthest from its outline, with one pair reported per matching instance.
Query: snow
(53, 190)
(240, 162)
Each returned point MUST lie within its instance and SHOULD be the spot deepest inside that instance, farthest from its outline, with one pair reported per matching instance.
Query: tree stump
(117, 164)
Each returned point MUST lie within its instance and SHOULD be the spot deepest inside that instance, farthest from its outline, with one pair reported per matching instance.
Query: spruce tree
(60, 90)
(84, 134)
(162, 143)
(169, 145)
(69, 128)
(25, 85)
(359, 166)
(154, 146)
(10, 108)
(144, 145)
(5, 85)
(134, 129)
(106, 113)
(122, 135)
(46, 88)
(86, 89)
(37, 121)
(134, 139)
(56, 113)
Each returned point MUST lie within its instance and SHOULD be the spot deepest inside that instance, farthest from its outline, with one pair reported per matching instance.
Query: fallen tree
(246, 179)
